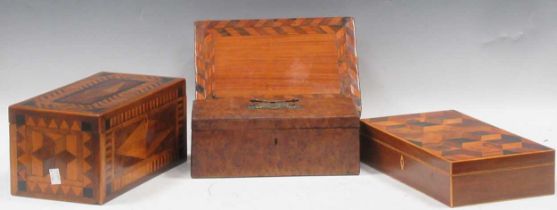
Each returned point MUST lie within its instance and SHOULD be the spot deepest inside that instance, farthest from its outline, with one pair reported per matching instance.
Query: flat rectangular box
(457, 159)
(276, 97)
(94, 139)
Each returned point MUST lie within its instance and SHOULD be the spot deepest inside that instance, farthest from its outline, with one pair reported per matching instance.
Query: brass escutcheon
(274, 104)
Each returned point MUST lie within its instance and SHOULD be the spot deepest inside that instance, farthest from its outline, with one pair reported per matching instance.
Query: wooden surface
(275, 57)
(483, 163)
(105, 134)
(512, 183)
(275, 152)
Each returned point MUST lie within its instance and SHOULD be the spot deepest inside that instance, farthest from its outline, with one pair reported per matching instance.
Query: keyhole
(276, 141)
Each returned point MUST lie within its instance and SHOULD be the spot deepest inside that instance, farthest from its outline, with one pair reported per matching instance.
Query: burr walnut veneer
(97, 138)
(457, 159)
(275, 97)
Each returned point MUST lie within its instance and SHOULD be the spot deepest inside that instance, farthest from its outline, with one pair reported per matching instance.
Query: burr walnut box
(96, 138)
(457, 159)
(275, 97)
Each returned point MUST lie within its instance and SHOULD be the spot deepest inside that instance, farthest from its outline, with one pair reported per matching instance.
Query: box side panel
(408, 148)
(13, 159)
(504, 162)
(143, 140)
(504, 184)
(269, 152)
(54, 156)
(406, 168)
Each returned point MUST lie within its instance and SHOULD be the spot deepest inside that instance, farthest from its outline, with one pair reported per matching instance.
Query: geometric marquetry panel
(45, 143)
(276, 57)
(94, 139)
(454, 136)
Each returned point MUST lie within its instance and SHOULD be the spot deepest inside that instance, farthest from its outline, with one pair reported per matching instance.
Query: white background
(495, 60)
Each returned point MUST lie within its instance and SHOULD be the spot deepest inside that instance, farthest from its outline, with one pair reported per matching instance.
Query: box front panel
(144, 140)
(241, 153)
(406, 168)
(504, 184)
(54, 156)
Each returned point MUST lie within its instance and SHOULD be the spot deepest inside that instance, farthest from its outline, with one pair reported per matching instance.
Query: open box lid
(265, 58)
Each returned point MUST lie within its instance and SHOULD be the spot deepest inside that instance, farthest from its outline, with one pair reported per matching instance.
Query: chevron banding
(341, 27)
(49, 100)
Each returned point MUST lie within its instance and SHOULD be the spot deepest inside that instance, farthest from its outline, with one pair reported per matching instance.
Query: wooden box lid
(97, 94)
(455, 142)
(276, 57)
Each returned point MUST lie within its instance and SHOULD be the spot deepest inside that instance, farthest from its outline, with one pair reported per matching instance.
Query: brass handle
(255, 100)
(401, 162)
(274, 104)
